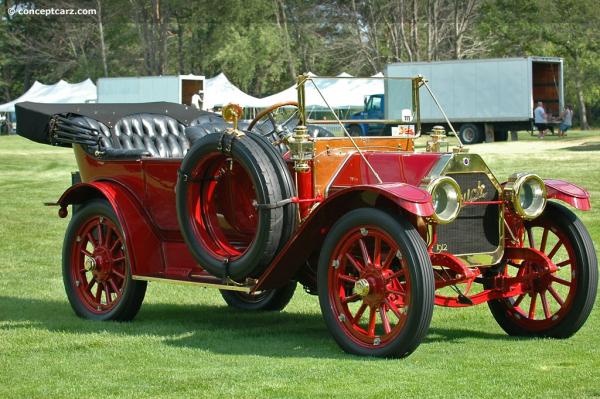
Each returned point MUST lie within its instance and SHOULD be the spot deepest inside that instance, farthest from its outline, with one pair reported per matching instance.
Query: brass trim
(193, 283)
(455, 163)
(513, 187)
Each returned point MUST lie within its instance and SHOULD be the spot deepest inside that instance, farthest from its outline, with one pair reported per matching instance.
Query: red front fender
(309, 237)
(142, 242)
(569, 193)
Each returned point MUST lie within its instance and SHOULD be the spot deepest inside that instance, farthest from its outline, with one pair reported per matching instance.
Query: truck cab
(374, 109)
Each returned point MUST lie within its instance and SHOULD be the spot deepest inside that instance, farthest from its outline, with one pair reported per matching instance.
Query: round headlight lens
(529, 199)
(446, 198)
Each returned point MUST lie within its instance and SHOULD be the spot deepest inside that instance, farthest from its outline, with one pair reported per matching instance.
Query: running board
(228, 287)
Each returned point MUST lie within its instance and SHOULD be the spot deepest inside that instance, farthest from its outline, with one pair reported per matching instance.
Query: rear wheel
(375, 284)
(470, 134)
(558, 304)
(96, 268)
(267, 300)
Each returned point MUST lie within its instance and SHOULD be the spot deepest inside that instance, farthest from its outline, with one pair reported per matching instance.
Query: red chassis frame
(142, 193)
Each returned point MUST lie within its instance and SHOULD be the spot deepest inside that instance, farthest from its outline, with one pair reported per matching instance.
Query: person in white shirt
(539, 119)
(567, 121)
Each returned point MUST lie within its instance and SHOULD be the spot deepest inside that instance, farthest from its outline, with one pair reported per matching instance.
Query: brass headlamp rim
(433, 185)
(513, 188)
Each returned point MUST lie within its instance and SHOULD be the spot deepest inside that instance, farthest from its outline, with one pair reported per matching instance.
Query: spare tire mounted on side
(230, 204)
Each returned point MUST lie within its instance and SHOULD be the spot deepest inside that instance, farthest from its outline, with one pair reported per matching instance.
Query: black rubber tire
(354, 130)
(470, 133)
(286, 182)
(269, 300)
(134, 291)
(414, 251)
(501, 135)
(586, 287)
(266, 180)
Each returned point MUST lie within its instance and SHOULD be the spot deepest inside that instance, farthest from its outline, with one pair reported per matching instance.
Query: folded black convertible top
(33, 119)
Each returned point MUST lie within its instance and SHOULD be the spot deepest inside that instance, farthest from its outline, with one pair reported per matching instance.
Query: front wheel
(96, 268)
(267, 300)
(375, 283)
(558, 304)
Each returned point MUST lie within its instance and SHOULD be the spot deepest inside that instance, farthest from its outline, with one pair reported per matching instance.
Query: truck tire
(470, 133)
(355, 130)
(228, 200)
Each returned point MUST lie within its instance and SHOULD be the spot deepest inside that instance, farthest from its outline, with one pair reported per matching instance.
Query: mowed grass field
(186, 343)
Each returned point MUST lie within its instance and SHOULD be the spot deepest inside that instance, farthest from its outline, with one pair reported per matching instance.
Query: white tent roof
(339, 93)
(60, 92)
(219, 91)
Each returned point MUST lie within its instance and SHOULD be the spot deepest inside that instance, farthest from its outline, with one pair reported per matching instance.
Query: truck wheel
(96, 268)
(470, 134)
(228, 207)
(501, 135)
(355, 130)
(375, 283)
(268, 300)
(556, 305)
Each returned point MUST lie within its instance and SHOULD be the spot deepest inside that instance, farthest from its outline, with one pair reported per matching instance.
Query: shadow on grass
(216, 329)
(584, 147)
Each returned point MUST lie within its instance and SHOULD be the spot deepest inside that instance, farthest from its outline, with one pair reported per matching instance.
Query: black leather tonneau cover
(33, 119)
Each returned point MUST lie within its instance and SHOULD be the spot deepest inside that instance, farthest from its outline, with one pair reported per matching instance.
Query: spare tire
(228, 199)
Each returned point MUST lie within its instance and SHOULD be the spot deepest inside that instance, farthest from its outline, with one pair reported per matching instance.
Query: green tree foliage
(262, 44)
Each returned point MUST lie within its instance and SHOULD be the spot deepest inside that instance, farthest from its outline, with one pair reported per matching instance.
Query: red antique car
(379, 232)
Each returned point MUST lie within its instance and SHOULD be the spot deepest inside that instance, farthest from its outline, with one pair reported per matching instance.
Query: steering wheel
(267, 125)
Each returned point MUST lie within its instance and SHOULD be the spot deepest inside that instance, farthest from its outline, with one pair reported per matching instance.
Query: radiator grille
(476, 229)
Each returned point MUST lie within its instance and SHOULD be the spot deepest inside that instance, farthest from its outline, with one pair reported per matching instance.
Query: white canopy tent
(219, 91)
(60, 92)
(339, 93)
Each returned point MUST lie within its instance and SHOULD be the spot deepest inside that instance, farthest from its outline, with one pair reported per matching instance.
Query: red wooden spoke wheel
(553, 304)
(96, 266)
(375, 284)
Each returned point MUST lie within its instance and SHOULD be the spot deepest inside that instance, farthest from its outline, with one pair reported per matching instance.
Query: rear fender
(567, 192)
(142, 242)
(399, 198)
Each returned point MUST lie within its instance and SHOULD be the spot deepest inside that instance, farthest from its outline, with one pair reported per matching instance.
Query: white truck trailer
(481, 96)
(182, 89)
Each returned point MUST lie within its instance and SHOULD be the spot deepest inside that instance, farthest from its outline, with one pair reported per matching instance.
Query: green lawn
(186, 343)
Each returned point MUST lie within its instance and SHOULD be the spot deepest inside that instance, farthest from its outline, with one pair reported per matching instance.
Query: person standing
(566, 120)
(539, 119)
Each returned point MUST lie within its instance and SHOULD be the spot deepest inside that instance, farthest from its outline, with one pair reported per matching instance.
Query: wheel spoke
(87, 253)
(530, 237)
(91, 240)
(532, 306)
(555, 295)
(351, 298)
(388, 259)
(364, 251)
(395, 275)
(112, 248)
(544, 240)
(98, 295)
(119, 259)
(90, 285)
(394, 309)
(519, 300)
(355, 263)
(564, 263)
(555, 249)
(359, 313)
(107, 293)
(372, 322)
(377, 252)
(346, 278)
(545, 305)
(396, 292)
(385, 320)
(118, 274)
(100, 237)
(115, 288)
(561, 281)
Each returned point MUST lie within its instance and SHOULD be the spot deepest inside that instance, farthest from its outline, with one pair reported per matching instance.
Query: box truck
(480, 96)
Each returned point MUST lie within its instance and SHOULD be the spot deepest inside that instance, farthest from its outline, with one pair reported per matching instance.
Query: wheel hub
(361, 287)
(90, 264)
(102, 264)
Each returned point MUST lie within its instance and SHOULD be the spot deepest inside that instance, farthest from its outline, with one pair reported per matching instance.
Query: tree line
(261, 45)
